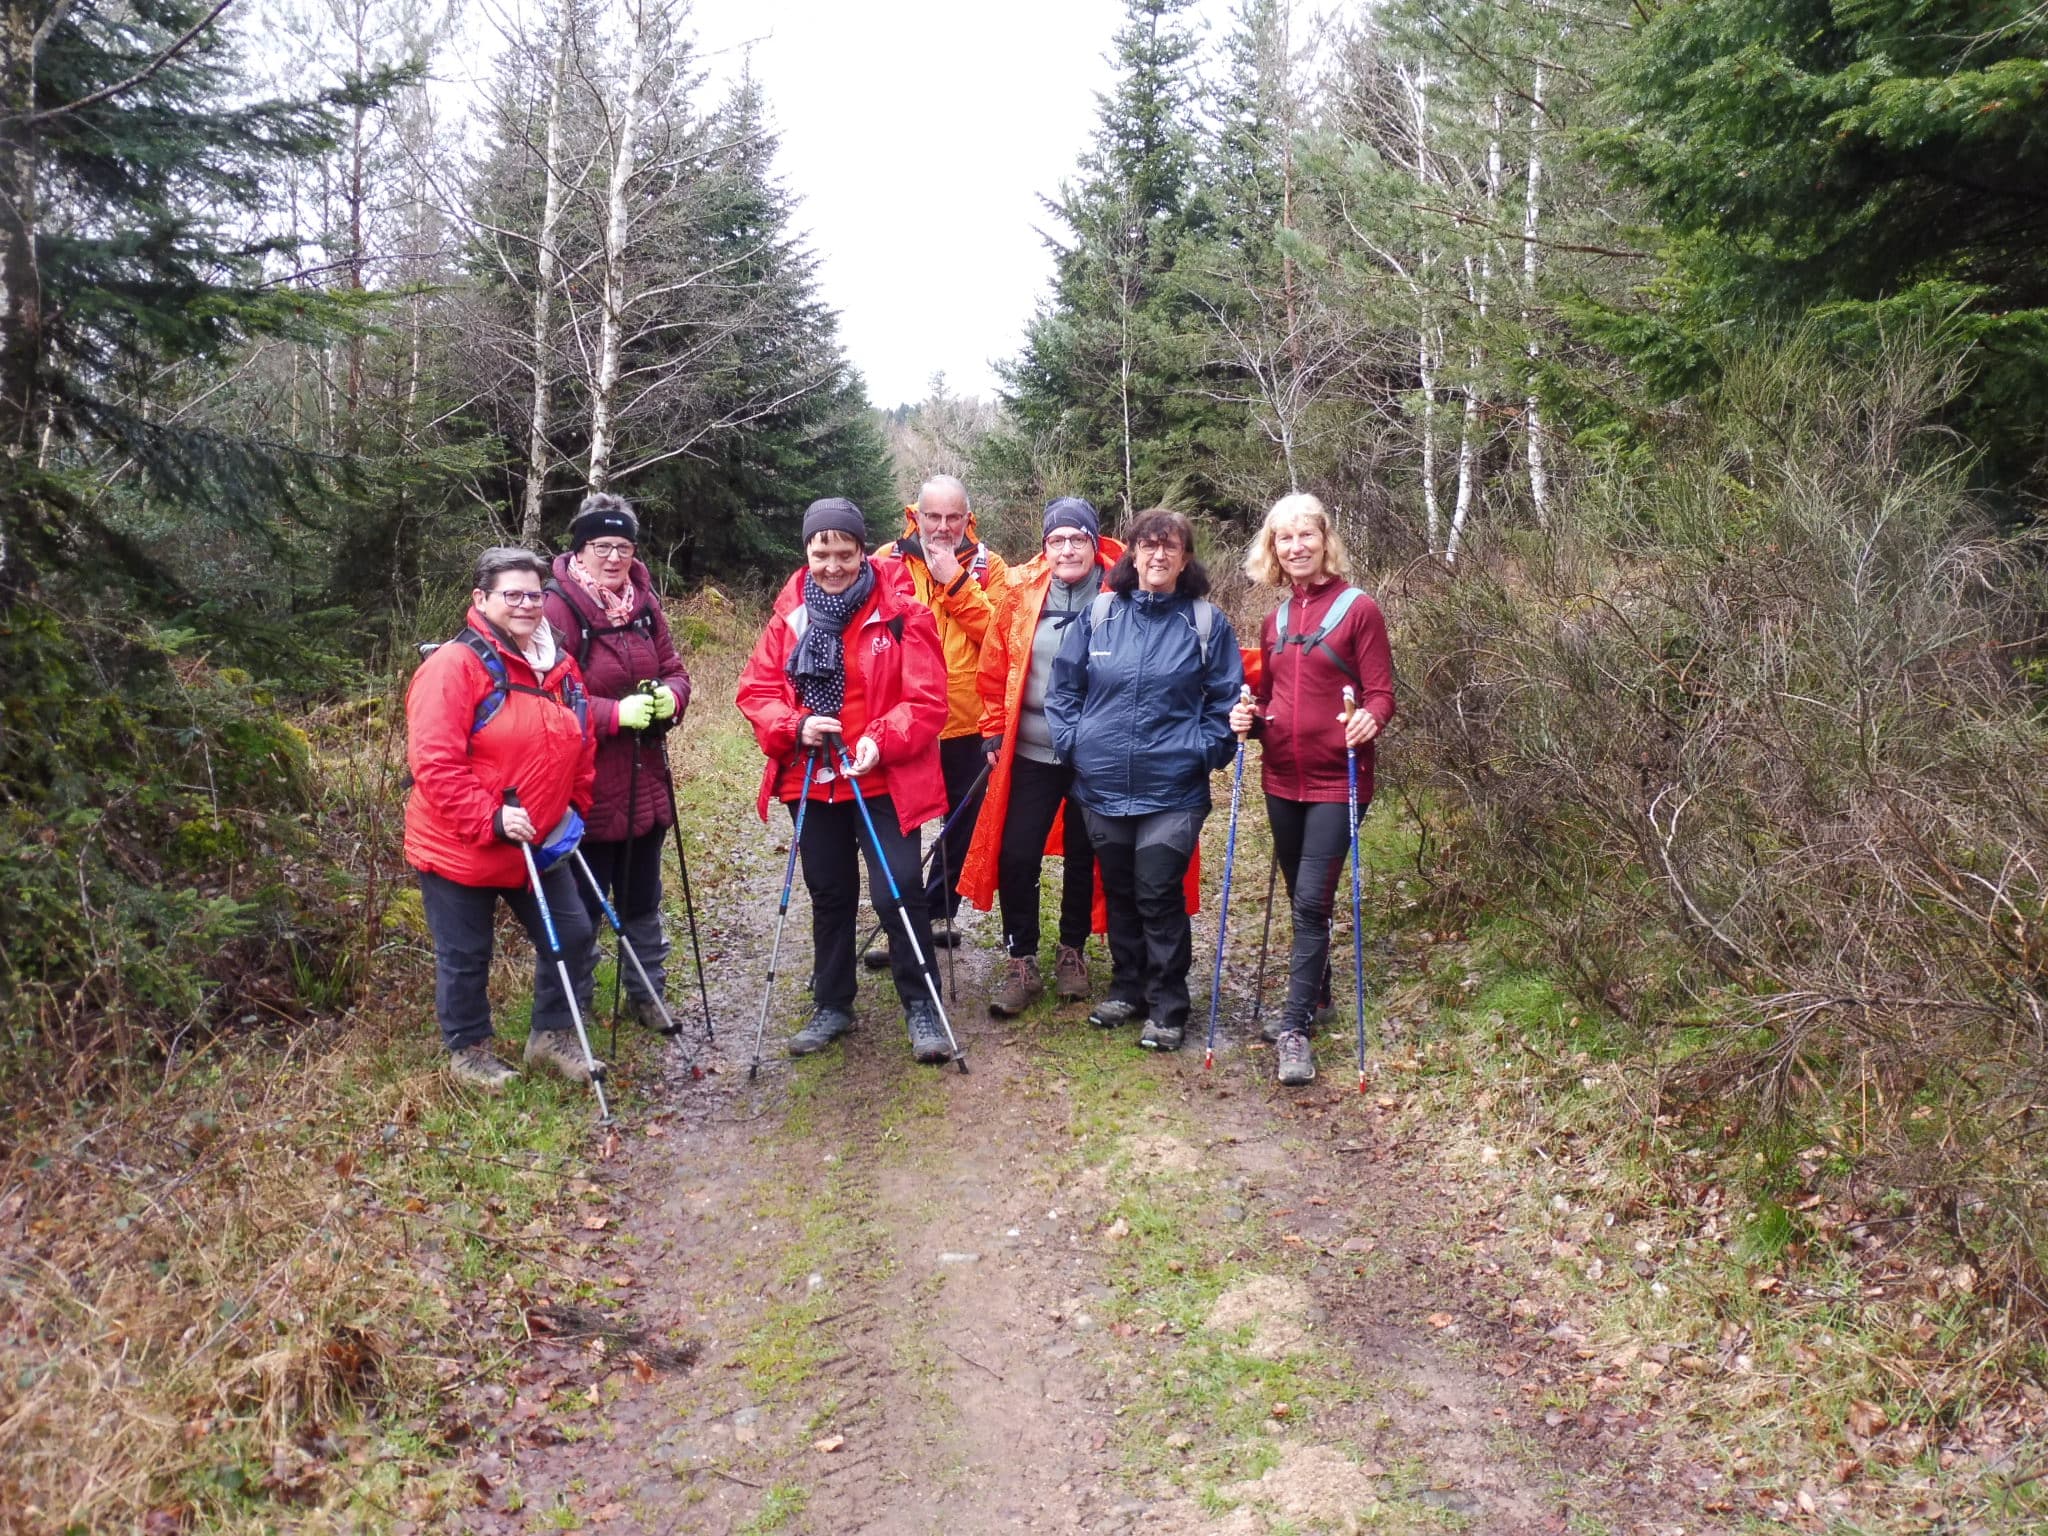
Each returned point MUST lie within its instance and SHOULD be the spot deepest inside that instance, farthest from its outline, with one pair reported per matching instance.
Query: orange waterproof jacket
(1005, 666)
(535, 739)
(962, 611)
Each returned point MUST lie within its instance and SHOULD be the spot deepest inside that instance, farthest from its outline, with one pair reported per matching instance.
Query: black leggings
(1310, 841)
(834, 845)
(1037, 791)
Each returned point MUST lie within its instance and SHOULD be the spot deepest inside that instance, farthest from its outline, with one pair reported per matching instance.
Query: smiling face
(1298, 544)
(1159, 562)
(513, 604)
(1070, 552)
(834, 561)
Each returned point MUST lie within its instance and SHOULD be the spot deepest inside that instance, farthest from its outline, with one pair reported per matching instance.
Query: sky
(919, 135)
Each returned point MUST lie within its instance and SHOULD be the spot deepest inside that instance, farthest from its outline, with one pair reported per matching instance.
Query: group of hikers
(1075, 705)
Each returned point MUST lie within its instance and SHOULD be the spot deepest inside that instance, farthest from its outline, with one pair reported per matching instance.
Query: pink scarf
(618, 606)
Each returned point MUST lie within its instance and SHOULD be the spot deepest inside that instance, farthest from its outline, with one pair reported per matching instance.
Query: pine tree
(126, 160)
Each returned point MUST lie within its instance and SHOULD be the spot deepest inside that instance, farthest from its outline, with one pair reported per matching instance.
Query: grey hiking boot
(648, 1013)
(1162, 1037)
(1020, 984)
(927, 1034)
(1114, 1012)
(558, 1050)
(876, 958)
(479, 1066)
(1275, 1026)
(823, 1027)
(1297, 1059)
(1070, 975)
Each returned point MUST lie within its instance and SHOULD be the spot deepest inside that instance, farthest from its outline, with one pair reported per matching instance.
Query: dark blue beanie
(1072, 512)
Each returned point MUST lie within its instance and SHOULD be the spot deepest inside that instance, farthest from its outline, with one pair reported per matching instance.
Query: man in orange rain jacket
(950, 571)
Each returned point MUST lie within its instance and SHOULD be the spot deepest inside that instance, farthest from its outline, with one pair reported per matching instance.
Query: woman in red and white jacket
(1327, 636)
(499, 707)
(852, 657)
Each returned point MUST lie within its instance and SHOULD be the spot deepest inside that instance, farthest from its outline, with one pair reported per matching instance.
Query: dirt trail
(1060, 1293)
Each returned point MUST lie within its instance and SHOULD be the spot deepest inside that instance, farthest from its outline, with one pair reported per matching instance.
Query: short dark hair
(1158, 524)
(499, 559)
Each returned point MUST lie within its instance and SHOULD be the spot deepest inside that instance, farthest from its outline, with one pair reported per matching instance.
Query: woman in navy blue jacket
(1140, 705)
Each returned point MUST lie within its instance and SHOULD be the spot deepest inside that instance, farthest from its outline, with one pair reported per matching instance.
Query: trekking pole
(1357, 928)
(896, 895)
(547, 922)
(1265, 939)
(675, 817)
(626, 884)
(944, 827)
(782, 912)
(952, 938)
(1223, 902)
(670, 1028)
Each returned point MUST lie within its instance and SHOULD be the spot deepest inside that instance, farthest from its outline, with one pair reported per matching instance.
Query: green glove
(664, 702)
(635, 711)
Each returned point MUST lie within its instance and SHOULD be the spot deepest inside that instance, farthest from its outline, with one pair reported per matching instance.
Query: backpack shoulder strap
(1319, 640)
(1205, 626)
(1098, 610)
(494, 667)
(583, 631)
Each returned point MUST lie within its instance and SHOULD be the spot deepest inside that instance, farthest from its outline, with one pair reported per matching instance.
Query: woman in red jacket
(1327, 635)
(499, 707)
(850, 657)
(601, 602)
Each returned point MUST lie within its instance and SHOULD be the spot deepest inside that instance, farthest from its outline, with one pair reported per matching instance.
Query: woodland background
(1679, 373)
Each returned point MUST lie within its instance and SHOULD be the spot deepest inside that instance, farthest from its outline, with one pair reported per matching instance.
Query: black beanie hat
(835, 514)
(603, 515)
(1072, 512)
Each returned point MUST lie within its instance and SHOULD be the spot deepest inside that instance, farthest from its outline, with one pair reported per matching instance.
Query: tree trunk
(617, 235)
(1539, 476)
(544, 285)
(1478, 290)
(21, 302)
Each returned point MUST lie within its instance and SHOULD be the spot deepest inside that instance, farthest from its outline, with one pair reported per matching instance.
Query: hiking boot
(1275, 1026)
(1297, 1059)
(823, 1027)
(1070, 975)
(1114, 1012)
(1020, 984)
(479, 1066)
(947, 937)
(877, 956)
(558, 1050)
(927, 1034)
(1162, 1037)
(648, 1014)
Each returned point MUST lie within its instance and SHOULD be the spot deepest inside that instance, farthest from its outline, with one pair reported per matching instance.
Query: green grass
(781, 1505)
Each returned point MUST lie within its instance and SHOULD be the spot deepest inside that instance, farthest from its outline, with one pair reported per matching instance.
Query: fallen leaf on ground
(829, 1444)
(596, 1223)
(1440, 1319)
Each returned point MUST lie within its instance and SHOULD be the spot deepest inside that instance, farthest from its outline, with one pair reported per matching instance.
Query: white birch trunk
(1478, 288)
(1539, 474)
(545, 268)
(617, 235)
(1431, 511)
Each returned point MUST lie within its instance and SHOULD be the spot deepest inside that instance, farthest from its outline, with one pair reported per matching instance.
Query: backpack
(571, 698)
(643, 622)
(1317, 640)
(1205, 618)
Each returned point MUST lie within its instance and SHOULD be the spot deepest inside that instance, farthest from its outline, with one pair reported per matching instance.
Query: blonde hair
(1262, 564)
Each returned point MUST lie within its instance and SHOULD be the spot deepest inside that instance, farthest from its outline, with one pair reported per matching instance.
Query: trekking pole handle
(1350, 702)
(512, 795)
(1244, 697)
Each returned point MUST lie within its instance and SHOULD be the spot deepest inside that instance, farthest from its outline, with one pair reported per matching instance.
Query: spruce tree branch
(1461, 216)
(50, 24)
(121, 87)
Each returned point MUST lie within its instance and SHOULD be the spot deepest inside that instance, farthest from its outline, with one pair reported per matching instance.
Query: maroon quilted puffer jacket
(619, 660)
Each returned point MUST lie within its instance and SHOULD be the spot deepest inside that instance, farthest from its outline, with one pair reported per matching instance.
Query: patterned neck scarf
(618, 606)
(818, 664)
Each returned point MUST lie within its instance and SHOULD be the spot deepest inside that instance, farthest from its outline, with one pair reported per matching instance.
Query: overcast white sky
(919, 134)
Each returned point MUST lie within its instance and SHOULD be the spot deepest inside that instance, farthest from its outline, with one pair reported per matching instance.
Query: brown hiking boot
(479, 1066)
(1070, 975)
(558, 1050)
(1020, 985)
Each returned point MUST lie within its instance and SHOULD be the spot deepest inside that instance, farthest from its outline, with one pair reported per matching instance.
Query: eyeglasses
(1068, 541)
(519, 597)
(1158, 546)
(611, 551)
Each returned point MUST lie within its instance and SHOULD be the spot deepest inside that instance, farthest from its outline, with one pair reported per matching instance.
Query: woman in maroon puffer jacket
(1327, 636)
(602, 605)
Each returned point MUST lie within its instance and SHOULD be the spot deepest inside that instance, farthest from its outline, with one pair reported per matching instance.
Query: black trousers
(630, 874)
(461, 919)
(960, 760)
(1311, 839)
(1143, 860)
(1037, 791)
(834, 843)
